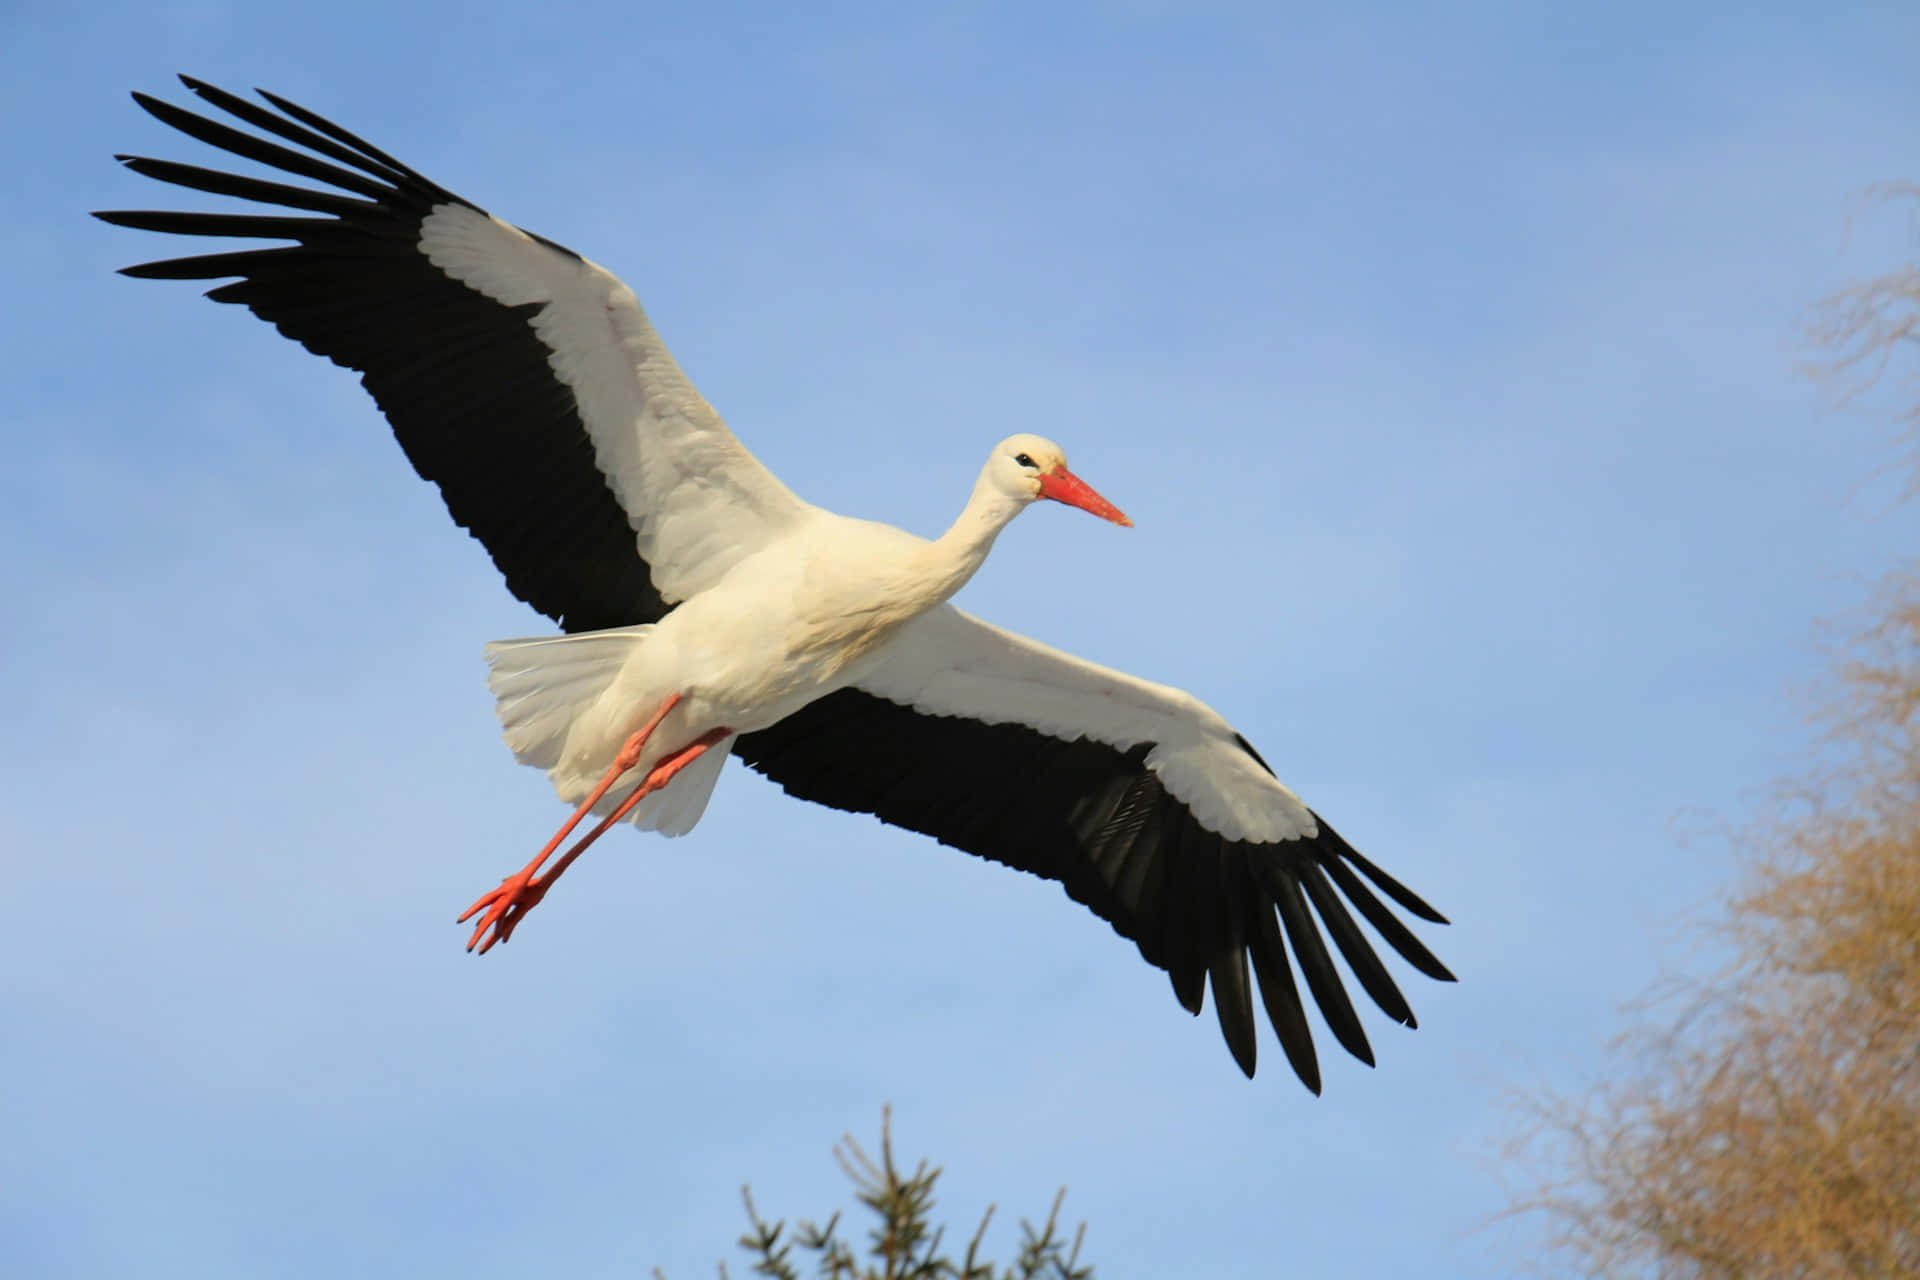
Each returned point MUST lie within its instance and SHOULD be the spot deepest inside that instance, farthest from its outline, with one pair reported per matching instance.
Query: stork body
(709, 611)
(812, 612)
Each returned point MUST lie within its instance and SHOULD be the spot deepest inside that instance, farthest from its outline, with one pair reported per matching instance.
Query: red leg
(521, 893)
(628, 756)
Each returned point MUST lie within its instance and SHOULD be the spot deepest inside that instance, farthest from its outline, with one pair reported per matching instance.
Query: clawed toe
(505, 907)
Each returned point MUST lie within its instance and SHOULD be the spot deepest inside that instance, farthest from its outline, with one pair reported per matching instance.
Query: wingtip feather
(1233, 1006)
(1189, 989)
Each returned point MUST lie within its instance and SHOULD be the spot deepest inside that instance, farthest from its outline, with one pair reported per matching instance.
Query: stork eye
(1024, 460)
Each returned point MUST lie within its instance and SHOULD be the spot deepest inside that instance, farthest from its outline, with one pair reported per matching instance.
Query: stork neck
(959, 552)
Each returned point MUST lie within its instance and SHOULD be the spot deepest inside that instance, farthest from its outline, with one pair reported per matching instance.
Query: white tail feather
(546, 686)
(543, 684)
(674, 811)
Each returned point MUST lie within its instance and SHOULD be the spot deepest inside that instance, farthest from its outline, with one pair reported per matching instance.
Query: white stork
(709, 611)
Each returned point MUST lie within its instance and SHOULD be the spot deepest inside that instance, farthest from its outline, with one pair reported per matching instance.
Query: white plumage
(950, 663)
(712, 611)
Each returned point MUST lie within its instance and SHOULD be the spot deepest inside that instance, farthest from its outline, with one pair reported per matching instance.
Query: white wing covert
(697, 499)
(950, 663)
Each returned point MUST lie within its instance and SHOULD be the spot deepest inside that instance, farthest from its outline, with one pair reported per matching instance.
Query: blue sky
(1444, 355)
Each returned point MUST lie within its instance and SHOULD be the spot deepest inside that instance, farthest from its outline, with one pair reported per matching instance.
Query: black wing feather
(228, 138)
(1097, 819)
(1365, 965)
(1282, 998)
(1232, 991)
(356, 152)
(465, 381)
(1283, 882)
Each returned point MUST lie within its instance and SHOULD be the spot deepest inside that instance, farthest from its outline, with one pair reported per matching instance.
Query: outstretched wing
(521, 378)
(1138, 798)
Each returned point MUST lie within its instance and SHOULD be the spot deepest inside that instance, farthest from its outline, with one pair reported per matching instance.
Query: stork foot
(521, 892)
(505, 908)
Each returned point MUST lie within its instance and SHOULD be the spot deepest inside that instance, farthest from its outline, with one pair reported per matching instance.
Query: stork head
(1032, 467)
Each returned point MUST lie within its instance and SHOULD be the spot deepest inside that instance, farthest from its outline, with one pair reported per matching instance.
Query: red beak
(1062, 485)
